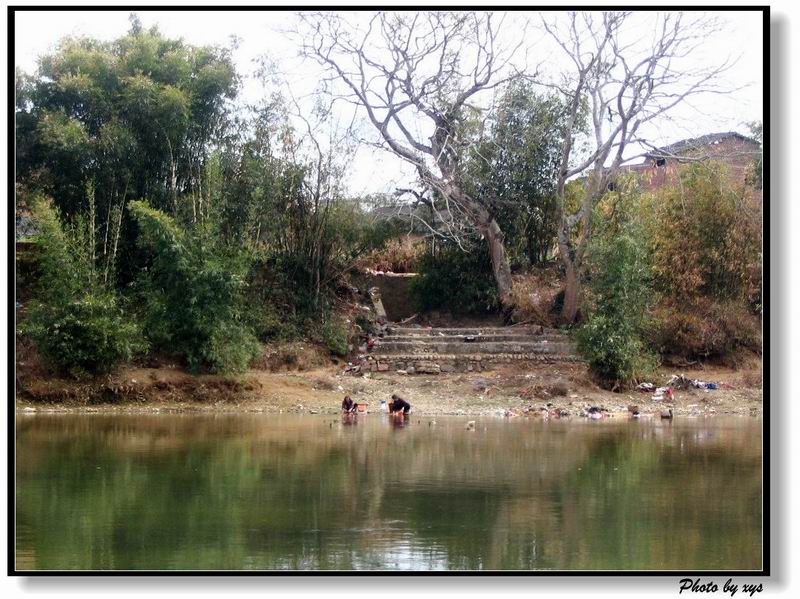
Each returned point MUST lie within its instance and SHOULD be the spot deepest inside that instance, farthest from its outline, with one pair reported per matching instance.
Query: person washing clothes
(398, 405)
(348, 405)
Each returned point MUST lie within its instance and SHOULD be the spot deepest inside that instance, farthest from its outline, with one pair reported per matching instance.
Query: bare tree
(323, 148)
(624, 77)
(416, 75)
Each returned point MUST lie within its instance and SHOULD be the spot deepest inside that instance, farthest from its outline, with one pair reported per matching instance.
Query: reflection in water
(299, 492)
(399, 420)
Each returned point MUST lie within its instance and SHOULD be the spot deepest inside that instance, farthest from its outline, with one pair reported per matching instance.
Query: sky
(266, 33)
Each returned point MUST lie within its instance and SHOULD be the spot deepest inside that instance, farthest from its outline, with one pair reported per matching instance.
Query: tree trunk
(569, 311)
(500, 268)
(488, 227)
(572, 254)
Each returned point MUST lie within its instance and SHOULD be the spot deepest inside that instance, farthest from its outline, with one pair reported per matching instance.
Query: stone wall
(456, 363)
(394, 292)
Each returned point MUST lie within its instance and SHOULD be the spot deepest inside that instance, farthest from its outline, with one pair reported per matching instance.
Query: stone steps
(390, 346)
(417, 350)
(460, 331)
(486, 337)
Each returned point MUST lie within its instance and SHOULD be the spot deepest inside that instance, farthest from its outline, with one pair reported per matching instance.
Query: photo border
(11, 347)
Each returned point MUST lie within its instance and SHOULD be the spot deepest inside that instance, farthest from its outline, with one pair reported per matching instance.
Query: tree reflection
(245, 492)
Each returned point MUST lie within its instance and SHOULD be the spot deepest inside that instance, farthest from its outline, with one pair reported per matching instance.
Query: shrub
(193, 295)
(753, 379)
(704, 329)
(616, 354)
(334, 336)
(458, 281)
(90, 334)
(705, 237)
(619, 296)
(76, 321)
(270, 323)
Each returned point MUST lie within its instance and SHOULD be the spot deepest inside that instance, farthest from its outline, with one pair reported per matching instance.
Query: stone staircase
(419, 350)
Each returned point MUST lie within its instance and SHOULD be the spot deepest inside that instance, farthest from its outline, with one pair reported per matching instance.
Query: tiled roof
(696, 142)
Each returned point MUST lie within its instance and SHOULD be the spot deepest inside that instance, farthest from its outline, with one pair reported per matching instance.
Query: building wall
(738, 154)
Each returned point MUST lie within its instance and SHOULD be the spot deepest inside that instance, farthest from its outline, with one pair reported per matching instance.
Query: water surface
(187, 491)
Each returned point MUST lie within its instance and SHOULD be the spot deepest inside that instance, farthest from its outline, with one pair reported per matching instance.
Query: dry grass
(752, 379)
(548, 390)
(724, 333)
(535, 295)
(292, 356)
(398, 255)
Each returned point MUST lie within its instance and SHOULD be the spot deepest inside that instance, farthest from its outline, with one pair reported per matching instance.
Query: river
(258, 492)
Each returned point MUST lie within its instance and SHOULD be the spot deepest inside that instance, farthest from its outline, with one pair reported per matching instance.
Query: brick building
(661, 166)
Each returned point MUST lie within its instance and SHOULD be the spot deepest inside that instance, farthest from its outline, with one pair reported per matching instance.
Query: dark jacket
(398, 405)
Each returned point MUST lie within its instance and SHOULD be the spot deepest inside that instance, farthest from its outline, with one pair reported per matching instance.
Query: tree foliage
(134, 116)
(624, 82)
(193, 295)
(423, 72)
(706, 237)
(675, 272)
(245, 230)
(516, 168)
(77, 321)
(613, 338)
(456, 281)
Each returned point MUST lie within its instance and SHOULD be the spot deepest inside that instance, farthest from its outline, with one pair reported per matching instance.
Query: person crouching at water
(348, 405)
(398, 405)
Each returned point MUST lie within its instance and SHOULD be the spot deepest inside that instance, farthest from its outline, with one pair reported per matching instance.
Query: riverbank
(512, 390)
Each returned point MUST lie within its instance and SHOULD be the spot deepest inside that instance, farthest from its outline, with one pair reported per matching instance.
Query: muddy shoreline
(513, 391)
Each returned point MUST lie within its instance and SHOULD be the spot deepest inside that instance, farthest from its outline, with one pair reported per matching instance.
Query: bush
(611, 340)
(705, 329)
(334, 336)
(616, 354)
(76, 321)
(273, 324)
(193, 295)
(89, 334)
(455, 280)
(705, 237)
